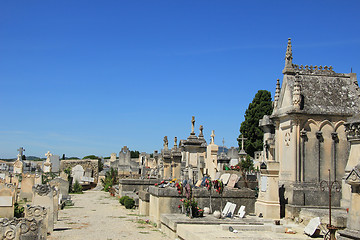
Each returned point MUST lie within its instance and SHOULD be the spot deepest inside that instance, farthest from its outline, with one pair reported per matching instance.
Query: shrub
(129, 203)
(77, 188)
(18, 211)
(122, 199)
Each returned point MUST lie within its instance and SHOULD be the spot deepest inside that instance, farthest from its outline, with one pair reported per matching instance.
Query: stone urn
(217, 214)
(206, 210)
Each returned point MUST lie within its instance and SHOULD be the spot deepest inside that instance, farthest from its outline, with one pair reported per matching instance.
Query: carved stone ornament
(352, 130)
(287, 139)
(353, 178)
(42, 189)
(36, 212)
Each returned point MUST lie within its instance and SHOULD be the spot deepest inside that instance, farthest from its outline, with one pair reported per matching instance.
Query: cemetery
(306, 185)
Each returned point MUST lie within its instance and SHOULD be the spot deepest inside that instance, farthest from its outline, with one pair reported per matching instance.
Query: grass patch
(144, 232)
(141, 221)
(71, 223)
(140, 227)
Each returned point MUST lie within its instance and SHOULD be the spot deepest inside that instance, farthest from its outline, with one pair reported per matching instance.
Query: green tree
(247, 164)
(260, 106)
(91, 157)
(134, 154)
(100, 165)
(111, 179)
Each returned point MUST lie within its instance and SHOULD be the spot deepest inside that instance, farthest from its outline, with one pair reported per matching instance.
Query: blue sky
(88, 77)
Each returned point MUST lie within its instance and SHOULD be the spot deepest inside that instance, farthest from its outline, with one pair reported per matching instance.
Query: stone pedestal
(268, 201)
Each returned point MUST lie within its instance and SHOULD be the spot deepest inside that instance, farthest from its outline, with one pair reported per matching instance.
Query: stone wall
(167, 200)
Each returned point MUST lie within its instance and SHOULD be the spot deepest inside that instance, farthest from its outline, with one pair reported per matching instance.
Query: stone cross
(212, 136)
(21, 150)
(175, 142)
(192, 125)
(48, 155)
(19, 157)
(242, 141)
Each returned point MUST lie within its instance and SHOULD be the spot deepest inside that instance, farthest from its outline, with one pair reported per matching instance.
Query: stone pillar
(352, 230)
(268, 201)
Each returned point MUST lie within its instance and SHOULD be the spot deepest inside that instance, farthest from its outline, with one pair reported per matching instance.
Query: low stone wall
(130, 186)
(167, 200)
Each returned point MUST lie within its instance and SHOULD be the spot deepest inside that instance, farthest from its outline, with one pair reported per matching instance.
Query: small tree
(111, 179)
(77, 188)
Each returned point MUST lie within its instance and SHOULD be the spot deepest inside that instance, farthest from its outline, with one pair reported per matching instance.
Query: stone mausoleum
(305, 137)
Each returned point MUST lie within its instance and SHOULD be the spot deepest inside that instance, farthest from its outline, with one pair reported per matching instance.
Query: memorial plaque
(241, 212)
(233, 180)
(263, 183)
(6, 201)
(310, 229)
(225, 178)
(217, 175)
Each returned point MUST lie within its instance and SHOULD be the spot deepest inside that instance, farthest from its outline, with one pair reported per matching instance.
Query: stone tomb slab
(233, 180)
(225, 178)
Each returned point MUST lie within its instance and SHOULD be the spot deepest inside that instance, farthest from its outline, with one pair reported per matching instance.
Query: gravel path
(96, 215)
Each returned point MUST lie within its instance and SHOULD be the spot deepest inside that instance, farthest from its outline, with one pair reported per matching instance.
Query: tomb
(310, 109)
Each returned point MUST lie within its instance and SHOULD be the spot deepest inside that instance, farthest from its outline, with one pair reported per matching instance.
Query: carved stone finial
(201, 128)
(297, 93)
(175, 142)
(288, 59)
(277, 93)
(166, 143)
(192, 126)
(212, 137)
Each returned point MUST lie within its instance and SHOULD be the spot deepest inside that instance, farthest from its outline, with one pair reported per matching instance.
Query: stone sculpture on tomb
(18, 165)
(47, 163)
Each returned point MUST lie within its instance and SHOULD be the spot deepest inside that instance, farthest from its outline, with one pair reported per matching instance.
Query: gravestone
(43, 195)
(27, 182)
(2, 176)
(7, 200)
(39, 213)
(225, 178)
(233, 180)
(62, 186)
(77, 173)
(55, 163)
(18, 165)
